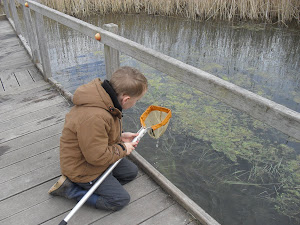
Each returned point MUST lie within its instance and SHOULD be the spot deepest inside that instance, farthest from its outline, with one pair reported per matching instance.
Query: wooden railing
(269, 112)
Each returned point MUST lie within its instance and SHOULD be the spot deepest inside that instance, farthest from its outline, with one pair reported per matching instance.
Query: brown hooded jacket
(91, 137)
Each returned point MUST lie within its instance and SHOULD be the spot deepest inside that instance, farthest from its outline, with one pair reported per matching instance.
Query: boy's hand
(130, 146)
(128, 136)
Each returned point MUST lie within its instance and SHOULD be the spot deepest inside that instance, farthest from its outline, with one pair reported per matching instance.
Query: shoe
(66, 188)
(61, 187)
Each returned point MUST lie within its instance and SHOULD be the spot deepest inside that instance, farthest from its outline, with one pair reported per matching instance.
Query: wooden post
(112, 59)
(30, 33)
(6, 9)
(42, 42)
(15, 16)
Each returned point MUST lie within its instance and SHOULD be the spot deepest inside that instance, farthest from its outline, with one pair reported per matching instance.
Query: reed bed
(281, 11)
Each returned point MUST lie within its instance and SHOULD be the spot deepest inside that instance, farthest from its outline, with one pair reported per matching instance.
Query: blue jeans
(112, 195)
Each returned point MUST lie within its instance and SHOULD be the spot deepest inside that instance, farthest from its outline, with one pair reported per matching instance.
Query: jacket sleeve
(93, 141)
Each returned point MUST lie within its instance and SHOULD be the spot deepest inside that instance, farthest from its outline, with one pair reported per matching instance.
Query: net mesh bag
(157, 118)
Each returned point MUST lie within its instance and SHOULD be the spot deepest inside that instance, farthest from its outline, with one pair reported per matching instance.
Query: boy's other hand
(130, 146)
(128, 136)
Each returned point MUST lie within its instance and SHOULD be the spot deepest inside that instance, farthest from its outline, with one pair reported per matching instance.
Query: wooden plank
(5, 24)
(10, 61)
(10, 49)
(36, 125)
(29, 198)
(9, 157)
(11, 114)
(24, 78)
(31, 34)
(8, 45)
(32, 70)
(52, 208)
(35, 85)
(16, 66)
(269, 112)
(31, 138)
(29, 180)
(6, 9)
(174, 215)
(112, 61)
(19, 63)
(42, 43)
(11, 57)
(14, 97)
(38, 114)
(17, 69)
(42, 212)
(27, 166)
(9, 81)
(140, 210)
(11, 102)
(15, 16)
(6, 35)
(6, 31)
(10, 53)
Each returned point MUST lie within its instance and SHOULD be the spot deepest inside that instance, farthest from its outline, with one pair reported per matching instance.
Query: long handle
(141, 132)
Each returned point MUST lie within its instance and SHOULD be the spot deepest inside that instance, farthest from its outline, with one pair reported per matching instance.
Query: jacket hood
(93, 94)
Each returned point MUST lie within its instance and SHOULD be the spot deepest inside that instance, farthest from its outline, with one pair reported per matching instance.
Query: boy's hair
(129, 81)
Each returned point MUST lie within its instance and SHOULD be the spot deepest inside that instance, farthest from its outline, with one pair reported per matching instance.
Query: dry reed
(281, 11)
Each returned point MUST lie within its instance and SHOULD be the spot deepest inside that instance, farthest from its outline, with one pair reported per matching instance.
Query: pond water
(237, 169)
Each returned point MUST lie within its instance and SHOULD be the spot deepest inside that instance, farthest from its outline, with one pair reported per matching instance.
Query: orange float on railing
(98, 37)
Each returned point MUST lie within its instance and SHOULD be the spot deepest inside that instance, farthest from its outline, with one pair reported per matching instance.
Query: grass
(273, 11)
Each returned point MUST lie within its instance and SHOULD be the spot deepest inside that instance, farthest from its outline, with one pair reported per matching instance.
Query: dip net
(156, 120)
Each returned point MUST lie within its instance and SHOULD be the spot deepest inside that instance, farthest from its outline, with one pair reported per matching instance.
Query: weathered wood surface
(112, 57)
(15, 16)
(269, 112)
(31, 33)
(11, 54)
(42, 42)
(31, 119)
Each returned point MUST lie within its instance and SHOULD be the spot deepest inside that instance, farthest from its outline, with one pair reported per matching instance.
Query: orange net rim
(156, 108)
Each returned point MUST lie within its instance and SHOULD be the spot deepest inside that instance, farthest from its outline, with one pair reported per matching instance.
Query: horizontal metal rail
(260, 108)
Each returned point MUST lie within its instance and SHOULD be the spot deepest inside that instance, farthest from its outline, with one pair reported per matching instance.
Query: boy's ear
(125, 98)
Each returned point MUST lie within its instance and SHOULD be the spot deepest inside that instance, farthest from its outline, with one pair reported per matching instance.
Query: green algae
(237, 137)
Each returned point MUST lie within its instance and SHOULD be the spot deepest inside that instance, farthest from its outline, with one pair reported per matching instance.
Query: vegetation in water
(281, 11)
(246, 152)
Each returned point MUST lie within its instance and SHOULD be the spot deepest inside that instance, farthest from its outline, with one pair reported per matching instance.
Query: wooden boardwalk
(31, 118)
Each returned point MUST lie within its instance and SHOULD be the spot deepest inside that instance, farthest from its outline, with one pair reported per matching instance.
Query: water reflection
(238, 169)
(260, 58)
